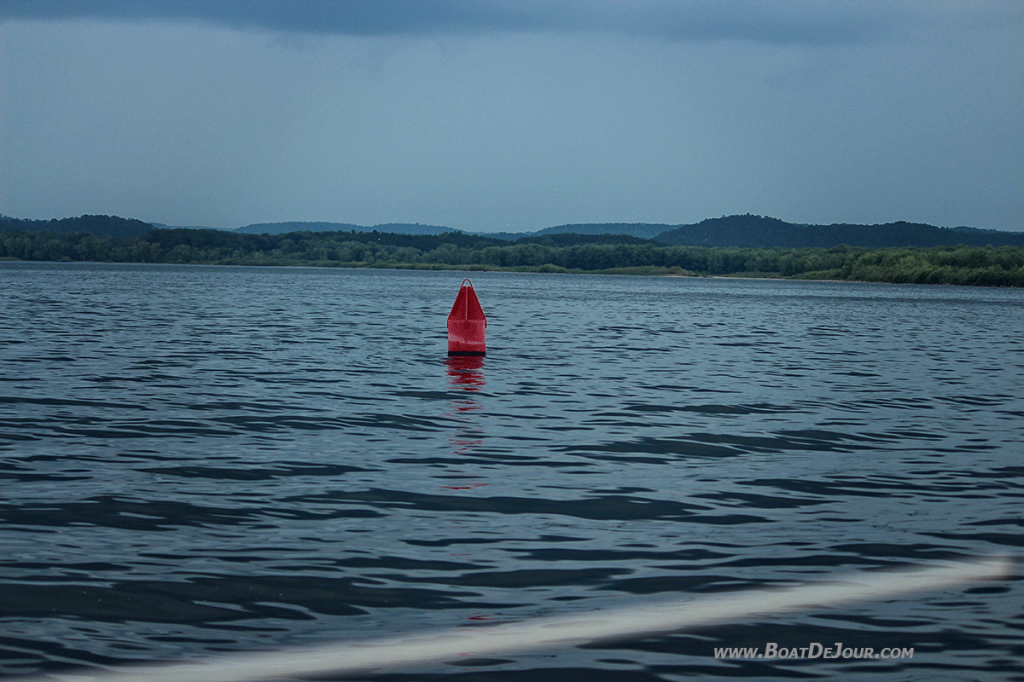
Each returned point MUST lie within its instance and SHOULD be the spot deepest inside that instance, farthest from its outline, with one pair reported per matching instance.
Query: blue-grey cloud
(512, 115)
(767, 21)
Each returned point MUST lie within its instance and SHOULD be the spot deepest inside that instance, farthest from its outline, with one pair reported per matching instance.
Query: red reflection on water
(462, 445)
(465, 372)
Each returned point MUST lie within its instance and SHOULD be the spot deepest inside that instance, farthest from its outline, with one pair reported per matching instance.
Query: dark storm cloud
(767, 21)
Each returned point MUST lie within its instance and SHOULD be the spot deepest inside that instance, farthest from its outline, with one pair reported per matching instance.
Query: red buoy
(467, 326)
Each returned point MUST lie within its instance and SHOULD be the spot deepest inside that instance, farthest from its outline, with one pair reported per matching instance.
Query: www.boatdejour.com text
(814, 650)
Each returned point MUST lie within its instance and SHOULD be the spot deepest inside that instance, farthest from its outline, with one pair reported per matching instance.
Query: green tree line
(968, 265)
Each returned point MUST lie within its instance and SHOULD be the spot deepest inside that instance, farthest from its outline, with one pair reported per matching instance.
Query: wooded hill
(754, 231)
(745, 231)
(97, 225)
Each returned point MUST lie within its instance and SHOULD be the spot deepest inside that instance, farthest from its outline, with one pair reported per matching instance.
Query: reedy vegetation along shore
(611, 254)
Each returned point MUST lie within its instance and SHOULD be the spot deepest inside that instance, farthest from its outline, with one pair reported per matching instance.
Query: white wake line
(547, 633)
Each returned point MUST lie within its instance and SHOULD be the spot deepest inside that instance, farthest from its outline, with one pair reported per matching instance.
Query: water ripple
(198, 460)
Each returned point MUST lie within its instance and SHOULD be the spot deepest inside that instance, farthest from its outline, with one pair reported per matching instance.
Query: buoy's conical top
(467, 306)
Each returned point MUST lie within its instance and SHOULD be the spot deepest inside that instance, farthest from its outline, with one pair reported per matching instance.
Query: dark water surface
(198, 460)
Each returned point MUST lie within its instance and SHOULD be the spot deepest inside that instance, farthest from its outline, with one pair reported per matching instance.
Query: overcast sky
(486, 115)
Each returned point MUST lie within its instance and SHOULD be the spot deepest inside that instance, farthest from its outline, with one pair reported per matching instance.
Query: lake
(200, 460)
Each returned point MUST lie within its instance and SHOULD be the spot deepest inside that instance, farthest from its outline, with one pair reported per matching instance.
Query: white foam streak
(350, 657)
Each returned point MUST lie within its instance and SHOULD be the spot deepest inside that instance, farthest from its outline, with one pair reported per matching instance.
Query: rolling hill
(755, 231)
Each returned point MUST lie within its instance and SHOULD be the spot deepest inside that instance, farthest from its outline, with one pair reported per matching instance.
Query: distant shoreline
(621, 254)
(633, 272)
